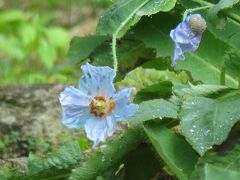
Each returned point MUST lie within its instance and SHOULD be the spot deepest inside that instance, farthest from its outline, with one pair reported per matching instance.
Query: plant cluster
(187, 122)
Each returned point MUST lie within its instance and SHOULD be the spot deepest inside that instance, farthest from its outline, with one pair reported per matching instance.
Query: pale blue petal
(75, 110)
(124, 108)
(97, 81)
(98, 129)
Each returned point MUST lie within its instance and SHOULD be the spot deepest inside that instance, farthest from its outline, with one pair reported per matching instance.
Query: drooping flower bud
(197, 23)
(187, 36)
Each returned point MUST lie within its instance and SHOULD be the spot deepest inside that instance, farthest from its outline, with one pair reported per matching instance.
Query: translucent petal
(98, 129)
(97, 81)
(75, 110)
(124, 108)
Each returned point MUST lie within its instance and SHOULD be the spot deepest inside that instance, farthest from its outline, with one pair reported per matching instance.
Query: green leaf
(153, 109)
(206, 122)
(158, 29)
(47, 53)
(229, 34)
(218, 21)
(124, 13)
(159, 90)
(141, 78)
(208, 61)
(57, 37)
(228, 163)
(81, 47)
(135, 164)
(57, 163)
(108, 155)
(155, 6)
(213, 172)
(11, 16)
(202, 90)
(173, 150)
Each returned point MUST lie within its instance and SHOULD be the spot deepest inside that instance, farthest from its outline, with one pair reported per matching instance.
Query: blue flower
(187, 36)
(95, 105)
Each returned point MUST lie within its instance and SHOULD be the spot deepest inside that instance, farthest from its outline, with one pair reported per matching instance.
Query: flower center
(100, 106)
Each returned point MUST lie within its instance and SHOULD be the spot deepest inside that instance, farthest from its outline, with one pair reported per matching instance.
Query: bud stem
(195, 9)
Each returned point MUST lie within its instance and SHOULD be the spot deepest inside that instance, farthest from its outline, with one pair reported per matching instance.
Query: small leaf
(173, 150)
(206, 122)
(159, 90)
(59, 162)
(81, 47)
(153, 109)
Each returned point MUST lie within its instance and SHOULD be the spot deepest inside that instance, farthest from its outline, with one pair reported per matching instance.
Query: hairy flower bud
(197, 23)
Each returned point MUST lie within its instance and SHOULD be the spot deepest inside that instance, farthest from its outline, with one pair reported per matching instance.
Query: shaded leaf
(159, 90)
(158, 29)
(135, 164)
(173, 150)
(82, 47)
(108, 155)
(153, 109)
(227, 163)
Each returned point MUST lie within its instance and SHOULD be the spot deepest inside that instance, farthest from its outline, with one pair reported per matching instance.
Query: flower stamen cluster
(100, 106)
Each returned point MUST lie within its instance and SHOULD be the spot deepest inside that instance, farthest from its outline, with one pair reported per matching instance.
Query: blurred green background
(35, 36)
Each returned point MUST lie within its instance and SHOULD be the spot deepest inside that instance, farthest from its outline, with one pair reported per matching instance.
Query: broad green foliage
(206, 122)
(30, 47)
(125, 13)
(153, 109)
(219, 165)
(156, 35)
(173, 150)
(202, 90)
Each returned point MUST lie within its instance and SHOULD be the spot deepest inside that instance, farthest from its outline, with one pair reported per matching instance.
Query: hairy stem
(115, 35)
(195, 9)
(115, 61)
